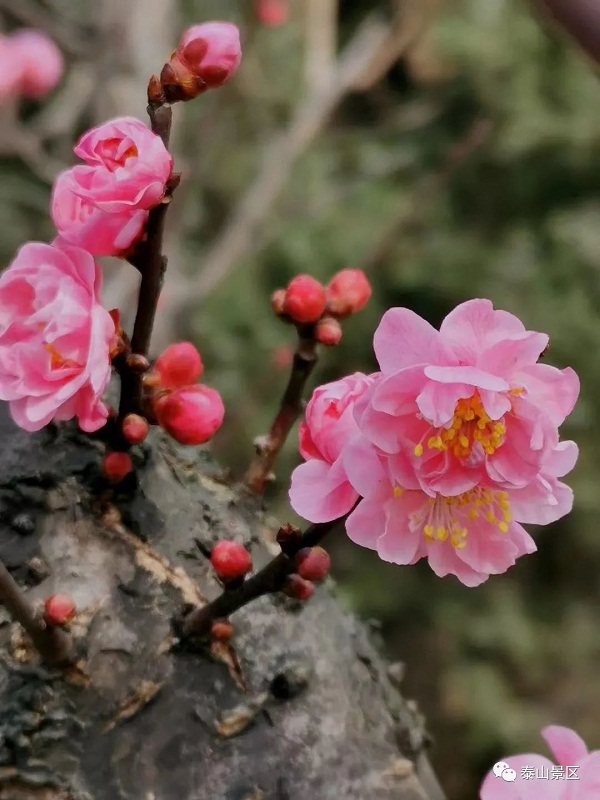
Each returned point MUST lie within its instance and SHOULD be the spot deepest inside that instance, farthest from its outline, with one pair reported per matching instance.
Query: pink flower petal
(566, 745)
(404, 339)
(366, 524)
(320, 492)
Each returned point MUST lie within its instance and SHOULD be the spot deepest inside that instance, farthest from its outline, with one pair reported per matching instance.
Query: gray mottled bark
(304, 706)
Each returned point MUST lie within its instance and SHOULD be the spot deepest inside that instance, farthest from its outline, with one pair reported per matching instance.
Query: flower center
(469, 426)
(450, 518)
(57, 360)
(108, 151)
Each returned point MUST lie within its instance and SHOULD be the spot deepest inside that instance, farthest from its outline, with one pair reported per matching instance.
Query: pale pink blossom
(40, 61)
(472, 535)
(320, 490)
(99, 232)
(574, 776)
(210, 52)
(468, 405)
(55, 338)
(103, 206)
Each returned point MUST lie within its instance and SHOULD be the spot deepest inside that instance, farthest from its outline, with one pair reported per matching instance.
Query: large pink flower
(55, 337)
(468, 405)
(320, 490)
(575, 776)
(103, 206)
(472, 535)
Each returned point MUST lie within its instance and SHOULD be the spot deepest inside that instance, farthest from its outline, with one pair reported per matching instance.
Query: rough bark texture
(144, 718)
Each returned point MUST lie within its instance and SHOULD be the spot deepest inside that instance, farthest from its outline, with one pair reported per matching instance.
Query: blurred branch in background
(321, 43)
(375, 46)
(581, 18)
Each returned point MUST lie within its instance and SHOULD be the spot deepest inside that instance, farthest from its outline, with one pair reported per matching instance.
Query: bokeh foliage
(515, 218)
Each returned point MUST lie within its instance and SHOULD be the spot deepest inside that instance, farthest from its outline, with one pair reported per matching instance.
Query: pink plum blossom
(40, 60)
(320, 489)
(572, 758)
(468, 405)
(55, 338)
(472, 535)
(103, 206)
(11, 69)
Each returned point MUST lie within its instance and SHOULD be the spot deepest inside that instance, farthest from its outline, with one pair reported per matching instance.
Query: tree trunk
(303, 707)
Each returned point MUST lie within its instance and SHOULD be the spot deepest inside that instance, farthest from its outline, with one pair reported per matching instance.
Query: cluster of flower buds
(311, 564)
(306, 301)
(31, 64)
(188, 411)
(206, 57)
(272, 13)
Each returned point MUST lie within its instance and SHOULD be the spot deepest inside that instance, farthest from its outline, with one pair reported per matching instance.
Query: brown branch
(152, 264)
(269, 447)
(53, 644)
(271, 578)
(580, 18)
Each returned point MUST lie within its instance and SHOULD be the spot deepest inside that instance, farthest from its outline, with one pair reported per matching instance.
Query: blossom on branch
(575, 776)
(451, 446)
(103, 205)
(55, 338)
(31, 64)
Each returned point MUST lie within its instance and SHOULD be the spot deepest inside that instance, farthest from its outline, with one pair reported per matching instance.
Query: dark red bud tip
(116, 466)
(230, 560)
(288, 536)
(222, 630)
(179, 365)
(348, 292)
(328, 331)
(135, 428)
(59, 609)
(278, 301)
(305, 299)
(298, 588)
(313, 563)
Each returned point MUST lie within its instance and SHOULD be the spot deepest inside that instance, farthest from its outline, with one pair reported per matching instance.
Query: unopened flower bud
(328, 331)
(222, 630)
(313, 563)
(59, 609)
(40, 61)
(135, 428)
(298, 588)
(282, 357)
(191, 415)
(305, 299)
(278, 301)
(207, 56)
(230, 560)
(179, 365)
(272, 13)
(348, 292)
(116, 466)
(138, 363)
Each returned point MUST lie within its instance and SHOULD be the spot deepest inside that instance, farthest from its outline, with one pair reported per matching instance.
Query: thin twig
(580, 18)
(271, 578)
(152, 264)
(269, 447)
(53, 644)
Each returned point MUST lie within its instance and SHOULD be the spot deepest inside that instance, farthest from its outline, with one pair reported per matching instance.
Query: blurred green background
(460, 158)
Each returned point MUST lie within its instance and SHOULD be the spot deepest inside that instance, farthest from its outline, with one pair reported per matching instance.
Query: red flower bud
(135, 428)
(191, 415)
(348, 292)
(328, 331)
(272, 13)
(313, 563)
(230, 560)
(298, 588)
(305, 299)
(59, 609)
(278, 301)
(222, 630)
(179, 365)
(116, 466)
